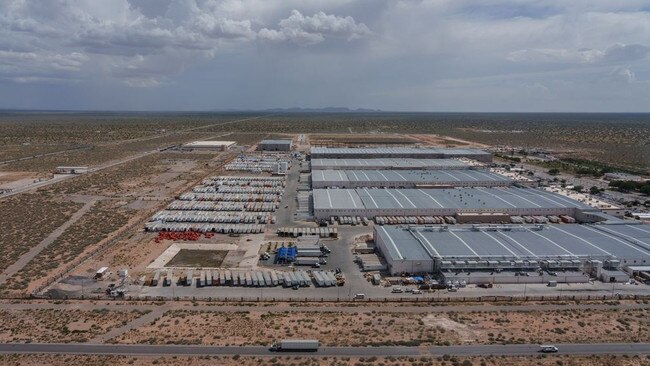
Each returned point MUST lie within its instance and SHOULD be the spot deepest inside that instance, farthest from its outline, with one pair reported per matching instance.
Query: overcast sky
(438, 55)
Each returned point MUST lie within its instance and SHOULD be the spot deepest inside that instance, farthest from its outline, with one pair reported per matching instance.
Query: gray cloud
(306, 30)
(400, 55)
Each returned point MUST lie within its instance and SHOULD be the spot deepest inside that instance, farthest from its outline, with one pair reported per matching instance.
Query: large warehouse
(369, 203)
(210, 145)
(275, 145)
(399, 152)
(407, 178)
(392, 164)
(511, 253)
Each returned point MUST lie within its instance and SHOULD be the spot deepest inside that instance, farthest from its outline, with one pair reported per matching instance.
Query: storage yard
(224, 204)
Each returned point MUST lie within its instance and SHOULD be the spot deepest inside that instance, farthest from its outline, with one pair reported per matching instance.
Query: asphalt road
(176, 350)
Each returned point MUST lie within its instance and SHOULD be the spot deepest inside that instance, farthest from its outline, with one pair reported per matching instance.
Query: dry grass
(390, 329)
(27, 219)
(65, 360)
(93, 227)
(59, 326)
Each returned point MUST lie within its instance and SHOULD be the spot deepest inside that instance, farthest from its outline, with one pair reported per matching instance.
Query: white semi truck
(296, 345)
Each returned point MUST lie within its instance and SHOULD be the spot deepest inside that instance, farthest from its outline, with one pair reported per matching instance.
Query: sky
(429, 55)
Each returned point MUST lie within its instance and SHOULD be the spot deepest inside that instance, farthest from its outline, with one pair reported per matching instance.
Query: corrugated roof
(275, 142)
(461, 198)
(524, 242)
(396, 150)
(387, 163)
(414, 176)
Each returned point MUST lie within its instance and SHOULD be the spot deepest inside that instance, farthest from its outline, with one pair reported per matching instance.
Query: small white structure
(101, 273)
(210, 145)
(71, 169)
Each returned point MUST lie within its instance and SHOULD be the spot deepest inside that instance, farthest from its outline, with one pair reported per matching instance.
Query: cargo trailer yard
(242, 232)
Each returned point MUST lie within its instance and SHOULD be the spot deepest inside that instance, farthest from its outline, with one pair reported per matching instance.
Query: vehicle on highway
(547, 348)
(416, 292)
(359, 296)
(295, 345)
(397, 290)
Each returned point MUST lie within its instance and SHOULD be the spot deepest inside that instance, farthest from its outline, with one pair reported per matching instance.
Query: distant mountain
(322, 110)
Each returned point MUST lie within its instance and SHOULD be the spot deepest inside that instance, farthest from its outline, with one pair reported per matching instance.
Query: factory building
(369, 203)
(210, 145)
(399, 152)
(393, 164)
(516, 253)
(407, 178)
(275, 145)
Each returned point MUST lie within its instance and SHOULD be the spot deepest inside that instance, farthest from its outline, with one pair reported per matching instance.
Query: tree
(578, 188)
(594, 190)
(645, 189)
(554, 171)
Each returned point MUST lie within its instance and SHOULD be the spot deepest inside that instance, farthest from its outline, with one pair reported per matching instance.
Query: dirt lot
(383, 329)
(65, 360)
(359, 140)
(198, 258)
(59, 326)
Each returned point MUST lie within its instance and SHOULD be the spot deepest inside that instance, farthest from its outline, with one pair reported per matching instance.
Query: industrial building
(393, 164)
(407, 178)
(275, 145)
(399, 152)
(516, 253)
(210, 145)
(369, 203)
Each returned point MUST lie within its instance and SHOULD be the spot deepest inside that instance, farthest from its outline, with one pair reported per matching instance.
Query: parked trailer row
(541, 219)
(205, 228)
(229, 197)
(323, 232)
(212, 217)
(240, 190)
(324, 278)
(353, 220)
(245, 181)
(222, 206)
(209, 278)
(414, 220)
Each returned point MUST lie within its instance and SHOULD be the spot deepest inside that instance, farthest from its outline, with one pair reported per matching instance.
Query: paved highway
(467, 350)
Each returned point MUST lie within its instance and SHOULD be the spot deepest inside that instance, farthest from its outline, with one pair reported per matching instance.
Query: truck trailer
(296, 345)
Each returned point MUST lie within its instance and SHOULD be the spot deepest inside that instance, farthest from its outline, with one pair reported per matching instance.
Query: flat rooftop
(210, 143)
(460, 198)
(395, 150)
(411, 176)
(568, 241)
(275, 142)
(388, 163)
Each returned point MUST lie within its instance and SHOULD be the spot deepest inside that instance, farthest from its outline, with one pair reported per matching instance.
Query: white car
(416, 292)
(397, 290)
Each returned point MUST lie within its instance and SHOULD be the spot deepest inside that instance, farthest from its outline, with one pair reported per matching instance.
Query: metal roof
(567, 241)
(275, 142)
(412, 176)
(461, 198)
(395, 150)
(388, 163)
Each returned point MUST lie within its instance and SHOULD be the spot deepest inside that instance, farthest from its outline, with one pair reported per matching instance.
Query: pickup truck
(295, 345)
